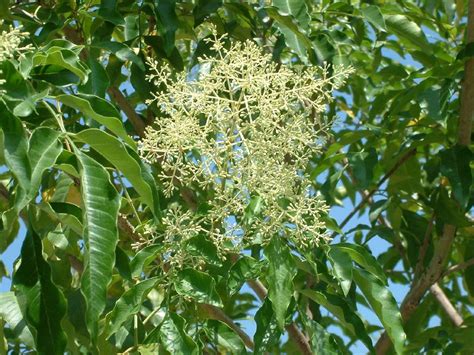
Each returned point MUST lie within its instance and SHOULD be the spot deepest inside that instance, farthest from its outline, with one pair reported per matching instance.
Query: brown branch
(293, 331)
(132, 115)
(443, 300)
(424, 247)
(443, 247)
(369, 195)
(458, 267)
(217, 314)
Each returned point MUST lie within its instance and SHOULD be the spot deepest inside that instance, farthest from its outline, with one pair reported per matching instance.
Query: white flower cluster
(10, 44)
(243, 130)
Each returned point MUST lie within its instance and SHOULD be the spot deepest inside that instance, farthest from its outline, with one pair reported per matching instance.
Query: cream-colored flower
(10, 42)
(243, 130)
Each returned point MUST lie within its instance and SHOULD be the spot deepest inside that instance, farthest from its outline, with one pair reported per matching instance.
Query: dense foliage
(176, 167)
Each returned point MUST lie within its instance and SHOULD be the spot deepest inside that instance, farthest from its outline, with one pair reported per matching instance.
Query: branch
(295, 334)
(217, 314)
(461, 266)
(133, 117)
(441, 297)
(369, 195)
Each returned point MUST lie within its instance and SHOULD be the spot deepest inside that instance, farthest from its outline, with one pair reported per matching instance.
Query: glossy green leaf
(384, 305)
(227, 340)
(128, 304)
(197, 285)
(322, 342)
(344, 312)
(101, 205)
(45, 305)
(246, 268)
(409, 30)
(167, 22)
(455, 164)
(15, 146)
(267, 333)
(296, 8)
(294, 36)
(342, 268)
(362, 257)
(44, 149)
(125, 160)
(99, 110)
(10, 311)
(64, 58)
(122, 51)
(143, 258)
(373, 14)
(174, 338)
(280, 274)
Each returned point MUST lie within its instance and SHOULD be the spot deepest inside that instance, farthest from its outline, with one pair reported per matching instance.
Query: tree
(176, 167)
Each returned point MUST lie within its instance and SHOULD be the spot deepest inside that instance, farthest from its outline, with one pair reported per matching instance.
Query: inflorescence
(244, 128)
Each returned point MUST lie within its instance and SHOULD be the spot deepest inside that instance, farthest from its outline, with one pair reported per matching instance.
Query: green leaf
(63, 58)
(342, 267)
(227, 340)
(455, 166)
(44, 302)
(99, 80)
(99, 110)
(246, 268)
(374, 16)
(449, 211)
(339, 307)
(108, 11)
(384, 305)
(167, 22)
(294, 36)
(363, 164)
(174, 338)
(267, 333)
(362, 257)
(296, 8)
(44, 149)
(321, 341)
(121, 51)
(127, 162)
(197, 285)
(280, 274)
(10, 311)
(101, 206)
(469, 273)
(15, 147)
(409, 30)
(128, 304)
(144, 257)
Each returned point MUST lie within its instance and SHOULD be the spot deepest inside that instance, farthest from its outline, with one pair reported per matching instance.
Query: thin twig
(424, 247)
(369, 195)
(458, 267)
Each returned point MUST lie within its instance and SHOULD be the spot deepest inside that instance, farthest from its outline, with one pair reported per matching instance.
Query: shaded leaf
(280, 274)
(267, 333)
(44, 302)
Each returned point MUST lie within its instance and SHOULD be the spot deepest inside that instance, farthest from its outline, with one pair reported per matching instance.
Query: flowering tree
(174, 171)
